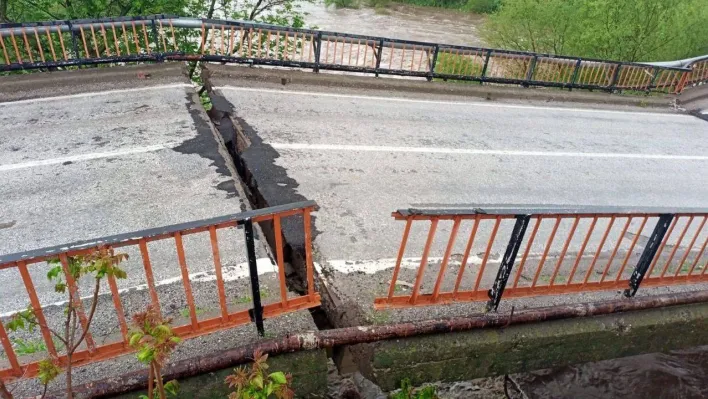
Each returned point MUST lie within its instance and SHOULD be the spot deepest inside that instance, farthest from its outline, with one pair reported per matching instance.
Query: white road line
(85, 157)
(438, 102)
(465, 151)
(95, 93)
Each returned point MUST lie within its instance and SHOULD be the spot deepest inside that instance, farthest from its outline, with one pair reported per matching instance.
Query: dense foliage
(627, 30)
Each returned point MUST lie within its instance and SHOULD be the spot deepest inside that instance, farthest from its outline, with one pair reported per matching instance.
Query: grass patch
(185, 312)
(378, 317)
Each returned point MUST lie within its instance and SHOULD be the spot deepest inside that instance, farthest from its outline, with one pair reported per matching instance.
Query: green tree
(40, 10)
(628, 30)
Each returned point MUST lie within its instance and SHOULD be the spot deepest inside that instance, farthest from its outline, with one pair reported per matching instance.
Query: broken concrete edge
(389, 337)
(487, 92)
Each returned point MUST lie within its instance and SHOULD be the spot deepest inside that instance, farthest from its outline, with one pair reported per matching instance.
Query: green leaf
(60, 288)
(172, 387)
(54, 272)
(135, 338)
(146, 355)
(278, 377)
(258, 381)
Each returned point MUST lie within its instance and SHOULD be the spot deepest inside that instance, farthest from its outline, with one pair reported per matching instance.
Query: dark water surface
(678, 374)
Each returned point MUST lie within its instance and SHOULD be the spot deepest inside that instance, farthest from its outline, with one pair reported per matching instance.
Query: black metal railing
(157, 38)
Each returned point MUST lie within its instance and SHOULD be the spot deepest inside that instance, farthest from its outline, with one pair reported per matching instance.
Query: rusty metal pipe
(359, 335)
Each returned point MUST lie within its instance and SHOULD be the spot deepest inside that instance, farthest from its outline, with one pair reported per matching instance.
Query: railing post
(318, 49)
(512, 249)
(74, 45)
(155, 38)
(257, 312)
(615, 77)
(575, 74)
(486, 64)
(379, 53)
(653, 79)
(433, 62)
(532, 69)
(657, 236)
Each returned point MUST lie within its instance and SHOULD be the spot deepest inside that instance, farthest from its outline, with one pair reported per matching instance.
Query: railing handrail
(191, 22)
(519, 209)
(148, 234)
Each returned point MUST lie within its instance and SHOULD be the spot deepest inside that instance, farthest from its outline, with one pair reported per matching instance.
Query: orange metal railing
(140, 242)
(560, 251)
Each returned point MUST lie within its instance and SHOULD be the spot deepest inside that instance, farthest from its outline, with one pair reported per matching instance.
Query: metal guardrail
(160, 37)
(196, 327)
(603, 242)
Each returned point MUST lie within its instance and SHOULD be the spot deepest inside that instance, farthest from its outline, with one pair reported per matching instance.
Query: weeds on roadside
(154, 341)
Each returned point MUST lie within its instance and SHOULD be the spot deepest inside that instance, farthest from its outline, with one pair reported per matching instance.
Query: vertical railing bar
(549, 242)
(531, 69)
(433, 61)
(614, 251)
(27, 47)
(105, 41)
(125, 38)
(690, 247)
(446, 257)
(676, 247)
(37, 308)
(507, 264)
(83, 39)
(574, 76)
(220, 288)
(399, 258)
(631, 248)
(579, 258)
(661, 247)
(10, 351)
(145, 255)
(145, 37)
(564, 251)
(599, 249)
(95, 44)
(308, 254)
(115, 39)
(278, 233)
(156, 39)
(486, 64)
(137, 40)
(185, 281)
(423, 261)
(650, 251)
(403, 56)
(615, 75)
(39, 45)
(492, 237)
(520, 269)
(257, 312)
(119, 307)
(4, 50)
(223, 48)
(358, 50)
(174, 39)
(14, 45)
(76, 302)
(470, 243)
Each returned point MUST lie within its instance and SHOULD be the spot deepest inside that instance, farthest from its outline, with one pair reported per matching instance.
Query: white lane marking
(439, 102)
(85, 157)
(230, 273)
(466, 151)
(95, 93)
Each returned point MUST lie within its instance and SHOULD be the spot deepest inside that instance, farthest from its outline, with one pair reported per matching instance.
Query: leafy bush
(482, 6)
(628, 30)
(256, 384)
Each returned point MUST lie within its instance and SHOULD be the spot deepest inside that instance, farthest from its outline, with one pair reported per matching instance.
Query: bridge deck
(92, 153)
(363, 153)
